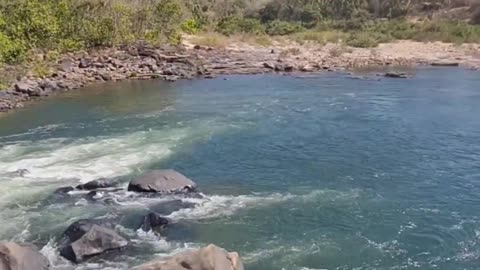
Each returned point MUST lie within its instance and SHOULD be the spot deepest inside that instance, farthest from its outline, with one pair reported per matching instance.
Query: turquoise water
(317, 172)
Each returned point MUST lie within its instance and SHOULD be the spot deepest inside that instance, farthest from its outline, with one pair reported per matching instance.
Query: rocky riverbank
(140, 61)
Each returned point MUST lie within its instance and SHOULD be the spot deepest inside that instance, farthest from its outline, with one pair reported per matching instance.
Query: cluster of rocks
(88, 238)
(264, 60)
(137, 61)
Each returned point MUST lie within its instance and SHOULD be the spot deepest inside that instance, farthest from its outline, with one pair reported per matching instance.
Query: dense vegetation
(70, 25)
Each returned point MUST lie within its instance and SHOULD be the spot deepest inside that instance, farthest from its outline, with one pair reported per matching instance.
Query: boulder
(97, 184)
(21, 172)
(88, 238)
(84, 63)
(63, 190)
(284, 67)
(307, 68)
(106, 77)
(94, 195)
(66, 65)
(400, 75)
(153, 221)
(208, 258)
(444, 64)
(268, 65)
(21, 257)
(49, 85)
(162, 181)
(289, 68)
(24, 87)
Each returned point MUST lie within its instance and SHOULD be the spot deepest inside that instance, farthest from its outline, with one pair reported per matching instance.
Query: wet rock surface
(87, 238)
(162, 181)
(97, 184)
(21, 257)
(153, 222)
(208, 258)
(398, 75)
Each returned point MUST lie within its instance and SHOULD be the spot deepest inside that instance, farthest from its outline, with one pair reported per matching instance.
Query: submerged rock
(162, 181)
(87, 238)
(400, 75)
(21, 257)
(208, 258)
(21, 172)
(445, 64)
(166, 208)
(97, 184)
(153, 221)
(63, 190)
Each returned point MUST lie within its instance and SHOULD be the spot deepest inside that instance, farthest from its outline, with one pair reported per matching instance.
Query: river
(311, 172)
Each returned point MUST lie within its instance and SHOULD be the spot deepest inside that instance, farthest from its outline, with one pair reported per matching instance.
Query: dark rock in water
(153, 221)
(307, 68)
(94, 195)
(109, 201)
(21, 257)
(289, 68)
(21, 172)
(445, 64)
(97, 184)
(162, 181)
(106, 77)
(80, 227)
(87, 238)
(400, 75)
(284, 67)
(63, 190)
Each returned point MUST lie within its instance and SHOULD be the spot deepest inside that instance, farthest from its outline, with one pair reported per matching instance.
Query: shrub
(10, 51)
(231, 25)
(281, 28)
(366, 39)
(189, 26)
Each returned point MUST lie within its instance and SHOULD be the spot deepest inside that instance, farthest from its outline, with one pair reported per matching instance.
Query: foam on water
(217, 206)
(89, 158)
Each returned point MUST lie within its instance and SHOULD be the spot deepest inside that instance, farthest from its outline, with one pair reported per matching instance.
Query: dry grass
(319, 37)
(252, 39)
(290, 51)
(211, 39)
(340, 50)
(216, 40)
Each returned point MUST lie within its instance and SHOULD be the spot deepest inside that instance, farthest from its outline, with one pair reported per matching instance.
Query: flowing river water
(318, 172)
